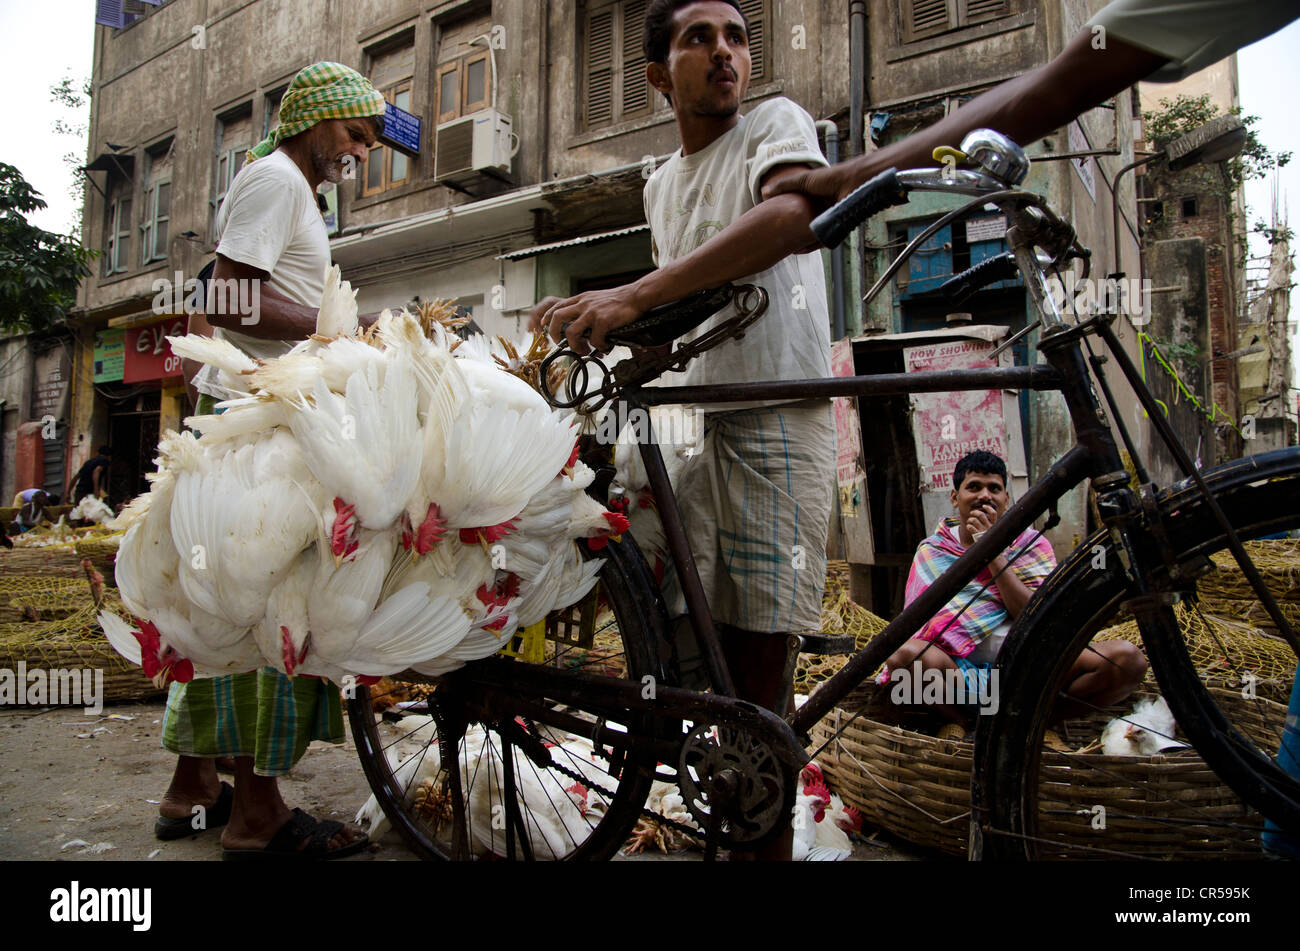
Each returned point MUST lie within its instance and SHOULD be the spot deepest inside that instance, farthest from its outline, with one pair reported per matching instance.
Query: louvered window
(614, 81)
(234, 137)
(157, 204)
(757, 14)
(925, 18)
(117, 229)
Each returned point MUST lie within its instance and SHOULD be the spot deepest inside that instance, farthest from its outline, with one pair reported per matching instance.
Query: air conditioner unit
(473, 145)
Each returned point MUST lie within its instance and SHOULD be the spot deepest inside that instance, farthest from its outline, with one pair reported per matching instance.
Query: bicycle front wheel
(460, 782)
(1224, 674)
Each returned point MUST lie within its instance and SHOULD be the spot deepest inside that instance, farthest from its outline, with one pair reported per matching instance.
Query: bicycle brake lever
(1013, 338)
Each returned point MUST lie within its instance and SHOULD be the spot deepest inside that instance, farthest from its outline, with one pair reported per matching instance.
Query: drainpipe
(832, 133)
(858, 59)
(859, 70)
(545, 90)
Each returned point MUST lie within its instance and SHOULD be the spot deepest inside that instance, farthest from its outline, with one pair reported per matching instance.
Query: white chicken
(337, 518)
(1148, 730)
(558, 812)
(821, 821)
(91, 509)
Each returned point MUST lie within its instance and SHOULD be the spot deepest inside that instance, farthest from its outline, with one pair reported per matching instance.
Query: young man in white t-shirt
(756, 501)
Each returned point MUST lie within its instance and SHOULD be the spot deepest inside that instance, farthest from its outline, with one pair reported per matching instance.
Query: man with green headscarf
(271, 233)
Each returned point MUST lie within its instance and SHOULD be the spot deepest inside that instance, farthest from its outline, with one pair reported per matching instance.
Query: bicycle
(581, 750)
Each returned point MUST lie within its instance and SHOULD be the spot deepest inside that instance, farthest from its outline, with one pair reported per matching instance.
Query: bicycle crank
(734, 785)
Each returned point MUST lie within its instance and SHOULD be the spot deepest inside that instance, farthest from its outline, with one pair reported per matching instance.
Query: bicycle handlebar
(871, 197)
(1000, 267)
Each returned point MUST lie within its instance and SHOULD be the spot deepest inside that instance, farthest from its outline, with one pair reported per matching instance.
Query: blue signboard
(401, 130)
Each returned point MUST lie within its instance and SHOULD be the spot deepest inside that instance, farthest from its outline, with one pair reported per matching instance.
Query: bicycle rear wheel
(524, 786)
(1226, 679)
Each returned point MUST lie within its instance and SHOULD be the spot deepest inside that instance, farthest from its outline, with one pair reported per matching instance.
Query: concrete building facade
(546, 200)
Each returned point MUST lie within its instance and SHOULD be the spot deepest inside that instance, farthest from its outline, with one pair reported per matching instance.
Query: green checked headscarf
(319, 92)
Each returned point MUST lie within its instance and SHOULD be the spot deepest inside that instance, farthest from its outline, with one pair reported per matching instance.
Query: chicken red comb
(573, 459)
(489, 533)
(342, 540)
(617, 522)
(148, 635)
(430, 531)
(851, 821)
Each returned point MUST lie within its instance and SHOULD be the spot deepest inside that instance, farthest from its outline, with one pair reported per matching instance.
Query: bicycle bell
(997, 155)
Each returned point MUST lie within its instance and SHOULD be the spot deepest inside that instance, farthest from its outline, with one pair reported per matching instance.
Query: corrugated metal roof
(556, 245)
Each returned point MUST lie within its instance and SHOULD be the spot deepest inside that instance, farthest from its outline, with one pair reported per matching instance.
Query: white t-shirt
(1193, 34)
(270, 221)
(690, 198)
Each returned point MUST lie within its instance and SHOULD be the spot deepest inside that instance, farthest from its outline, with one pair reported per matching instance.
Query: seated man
(33, 510)
(970, 629)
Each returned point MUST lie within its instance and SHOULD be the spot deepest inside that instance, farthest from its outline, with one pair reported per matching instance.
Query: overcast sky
(42, 42)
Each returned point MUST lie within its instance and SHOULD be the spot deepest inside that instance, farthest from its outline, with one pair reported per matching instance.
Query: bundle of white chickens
(364, 505)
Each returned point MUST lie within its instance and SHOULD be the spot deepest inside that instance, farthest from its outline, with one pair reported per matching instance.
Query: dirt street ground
(82, 788)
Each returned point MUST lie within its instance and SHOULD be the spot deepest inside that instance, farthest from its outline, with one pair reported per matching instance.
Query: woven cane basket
(917, 787)
(50, 621)
(123, 681)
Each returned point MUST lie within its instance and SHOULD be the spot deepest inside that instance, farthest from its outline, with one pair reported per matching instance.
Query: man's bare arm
(1015, 593)
(198, 325)
(277, 317)
(754, 242)
(1025, 109)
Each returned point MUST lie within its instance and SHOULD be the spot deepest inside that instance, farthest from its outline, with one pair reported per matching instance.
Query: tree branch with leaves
(39, 270)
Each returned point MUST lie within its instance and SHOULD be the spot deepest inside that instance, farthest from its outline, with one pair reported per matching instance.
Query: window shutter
(636, 91)
(123, 256)
(600, 66)
(977, 11)
(756, 13)
(925, 17)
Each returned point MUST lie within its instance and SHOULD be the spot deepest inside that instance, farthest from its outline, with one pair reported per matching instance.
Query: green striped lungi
(756, 504)
(262, 714)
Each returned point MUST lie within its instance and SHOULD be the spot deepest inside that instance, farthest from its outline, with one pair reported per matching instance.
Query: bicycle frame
(1094, 455)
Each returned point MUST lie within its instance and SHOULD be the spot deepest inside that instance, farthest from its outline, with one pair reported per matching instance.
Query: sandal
(218, 814)
(287, 843)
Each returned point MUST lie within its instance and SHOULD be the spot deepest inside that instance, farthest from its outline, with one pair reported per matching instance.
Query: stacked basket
(48, 614)
(917, 787)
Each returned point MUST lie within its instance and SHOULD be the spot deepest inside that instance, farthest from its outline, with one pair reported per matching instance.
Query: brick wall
(1213, 224)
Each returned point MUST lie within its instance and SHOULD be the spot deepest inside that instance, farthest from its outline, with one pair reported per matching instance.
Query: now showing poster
(947, 426)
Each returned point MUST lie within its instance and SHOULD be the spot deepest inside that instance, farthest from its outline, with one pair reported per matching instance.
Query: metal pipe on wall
(837, 254)
(859, 71)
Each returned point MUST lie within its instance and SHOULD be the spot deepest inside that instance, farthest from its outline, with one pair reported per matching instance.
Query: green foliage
(73, 97)
(1185, 113)
(1273, 235)
(39, 271)
(1183, 351)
